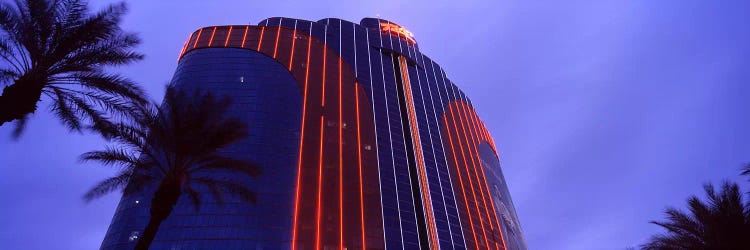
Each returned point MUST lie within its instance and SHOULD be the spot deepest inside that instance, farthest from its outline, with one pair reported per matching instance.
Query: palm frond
(720, 222)
(223, 163)
(58, 42)
(194, 197)
(111, 156)
(108, 185)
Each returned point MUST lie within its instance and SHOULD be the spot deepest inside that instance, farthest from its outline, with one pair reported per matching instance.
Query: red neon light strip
(301, 139)
(471, 183)
(184, 46)
(244, 37)
(320, 186)
(276, 45)
(359, 164)
(482, 181)
(475, 128)
(460, 180)
(341, 166)
(325, 55)
(294, 39)
(211, 41)
(476, 163)
(226, 42)
(198, 38)
(260, 40)
(432, 232)
(470, 146)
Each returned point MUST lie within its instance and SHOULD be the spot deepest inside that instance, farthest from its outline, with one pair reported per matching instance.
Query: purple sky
(604, 113)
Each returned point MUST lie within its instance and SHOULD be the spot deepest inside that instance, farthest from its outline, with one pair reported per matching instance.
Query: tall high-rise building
(363, 140)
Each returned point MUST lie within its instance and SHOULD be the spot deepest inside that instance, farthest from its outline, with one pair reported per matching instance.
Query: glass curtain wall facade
(364, 143)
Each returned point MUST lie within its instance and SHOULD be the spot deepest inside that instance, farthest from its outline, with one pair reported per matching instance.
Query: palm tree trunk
(165, 198)
(19, 99)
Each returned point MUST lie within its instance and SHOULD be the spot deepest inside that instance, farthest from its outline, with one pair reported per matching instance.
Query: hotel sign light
(397, 30)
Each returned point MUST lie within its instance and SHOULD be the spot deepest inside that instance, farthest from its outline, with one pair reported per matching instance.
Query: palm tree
(723, 222)
(57, 48)
(176, 148)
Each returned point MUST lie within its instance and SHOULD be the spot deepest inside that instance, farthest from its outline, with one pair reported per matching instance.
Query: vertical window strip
(320, 185)
(359, 164)
(442, 105)
(472, 113)
(390, 138)
(458, 173)
(301, 140)
(375, 126)
(468, 174)
(432, 142)
(341, 151)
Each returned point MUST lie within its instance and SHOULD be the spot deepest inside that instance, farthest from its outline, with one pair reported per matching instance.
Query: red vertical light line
(301, 139)
(476, 164)
(320, 186)
(463, 118)
(359, 164)
(341, 164)
(483, 179)
(198, 38)
(260, 40)
(325, 55)
(226, 42)
(473, 119)
(460, 180)
(276, 45)
(294, 40)
(211, 41)
(184, 46)
(471, 183)
(424, 188)
(244, 37)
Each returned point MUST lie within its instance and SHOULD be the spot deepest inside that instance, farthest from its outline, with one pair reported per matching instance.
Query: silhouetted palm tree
(176, 147)
(723, 222)
(59, 49)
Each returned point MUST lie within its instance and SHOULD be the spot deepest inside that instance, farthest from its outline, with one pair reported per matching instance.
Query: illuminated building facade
(364, 143)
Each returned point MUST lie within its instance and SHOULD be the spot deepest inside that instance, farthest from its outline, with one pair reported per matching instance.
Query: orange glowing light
(320, 186)
(323, 87)
(276, 44)
(184, 47)
(260, 40)
(395, 29)
(359, 164)
(341, 165)
(468, 174)
(244, 37)
(301, 139)
(458, 172)
(198, 38)
(474, 123)
(226, 42)
(211, 41)
(294, 39)
(432, 232)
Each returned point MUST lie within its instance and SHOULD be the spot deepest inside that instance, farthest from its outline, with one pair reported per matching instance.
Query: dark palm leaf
(59, 49)
(177, 147)
(721, 222)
